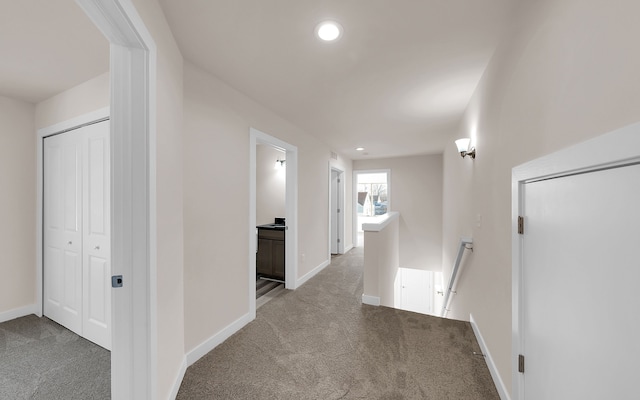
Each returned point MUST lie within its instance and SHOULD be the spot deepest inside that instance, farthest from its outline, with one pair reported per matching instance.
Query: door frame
(355, 196)
(341, 201)
(291, 214)
(615, 149)
(133, 82)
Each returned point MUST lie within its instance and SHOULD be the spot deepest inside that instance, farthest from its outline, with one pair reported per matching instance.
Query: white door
(335, 211)
(96, 282)
(76, 230)
(416, 290)
(63, 230)
(580, 292)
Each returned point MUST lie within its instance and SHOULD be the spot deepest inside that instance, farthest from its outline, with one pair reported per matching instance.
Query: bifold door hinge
(521, 225)
(338, 240)
(521, 363)
(338, 210)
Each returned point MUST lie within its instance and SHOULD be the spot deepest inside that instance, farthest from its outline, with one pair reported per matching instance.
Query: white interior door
(77, 268)
(96, 287)
(579, 295)
(416, 290)
(335, 196)
(62, 231)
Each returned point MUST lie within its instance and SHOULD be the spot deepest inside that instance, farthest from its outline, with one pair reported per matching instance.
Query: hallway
(320, 342)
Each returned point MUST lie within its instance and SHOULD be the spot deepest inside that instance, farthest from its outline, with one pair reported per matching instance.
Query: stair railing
(465, 243)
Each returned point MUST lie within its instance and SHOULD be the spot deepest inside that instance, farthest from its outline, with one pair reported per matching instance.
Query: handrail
(464, 241)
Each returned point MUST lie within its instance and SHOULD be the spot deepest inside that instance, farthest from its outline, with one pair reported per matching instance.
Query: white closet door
(335, 195)
(63, 230)
(96, 235)
(77, 250)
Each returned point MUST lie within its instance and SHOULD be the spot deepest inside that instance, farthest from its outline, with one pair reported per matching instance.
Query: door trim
(133, 80)
(617, 148)
(291, 214)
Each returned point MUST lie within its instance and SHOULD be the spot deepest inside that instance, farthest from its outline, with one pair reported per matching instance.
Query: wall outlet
(302, 257)
(479, 220)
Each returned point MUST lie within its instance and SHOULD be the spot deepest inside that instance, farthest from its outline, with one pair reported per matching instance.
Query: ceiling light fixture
(329, 31)
(359, 148)
(463, 148)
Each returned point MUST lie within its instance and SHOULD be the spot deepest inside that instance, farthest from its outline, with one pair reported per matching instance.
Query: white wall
(567, 71)
(17, 204)
(216, 142)
(270, 185)
(82, 99)
(416, 192)
(381, 261)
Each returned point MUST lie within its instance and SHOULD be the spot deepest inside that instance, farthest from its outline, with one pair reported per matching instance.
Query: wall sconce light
(463, 148)
(279, 164)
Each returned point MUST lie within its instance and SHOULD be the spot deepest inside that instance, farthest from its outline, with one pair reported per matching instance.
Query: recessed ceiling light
(329, 31)
(359, 148)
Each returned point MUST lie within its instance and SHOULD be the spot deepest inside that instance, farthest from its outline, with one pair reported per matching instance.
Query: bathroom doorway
(264, 147)
(271, 183)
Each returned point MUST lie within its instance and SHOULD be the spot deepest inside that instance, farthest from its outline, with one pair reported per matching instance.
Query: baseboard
(179, 378)
(497, 380)
(312, 273)
(18, 312)
(370, 300)
(199, 351)
(346, 249)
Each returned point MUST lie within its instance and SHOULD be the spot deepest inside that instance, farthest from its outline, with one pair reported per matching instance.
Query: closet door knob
(97, 248)
(70, 243)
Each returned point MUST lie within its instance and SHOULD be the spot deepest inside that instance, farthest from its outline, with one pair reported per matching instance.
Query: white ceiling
(46, 47)
(396, 83)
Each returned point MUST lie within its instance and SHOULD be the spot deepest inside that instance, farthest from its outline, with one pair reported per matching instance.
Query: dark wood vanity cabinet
(270, 256)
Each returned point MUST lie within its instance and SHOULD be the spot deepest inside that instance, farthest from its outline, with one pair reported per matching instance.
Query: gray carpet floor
(320, 342)
(40, 359)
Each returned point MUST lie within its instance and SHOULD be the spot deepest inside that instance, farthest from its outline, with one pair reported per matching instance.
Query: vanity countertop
(277, 227)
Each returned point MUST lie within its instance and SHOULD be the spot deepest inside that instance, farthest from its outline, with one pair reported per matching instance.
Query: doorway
(270, 222)
(372, 198)
(571, 235)
(336, 210)
(133, 165)
(290, 167)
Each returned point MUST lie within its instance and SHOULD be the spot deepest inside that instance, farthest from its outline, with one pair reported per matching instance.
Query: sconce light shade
(463, 144)
(463, 148)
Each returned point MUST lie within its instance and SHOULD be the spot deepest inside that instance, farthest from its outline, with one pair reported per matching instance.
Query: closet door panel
(63, 230)
(97, 235)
